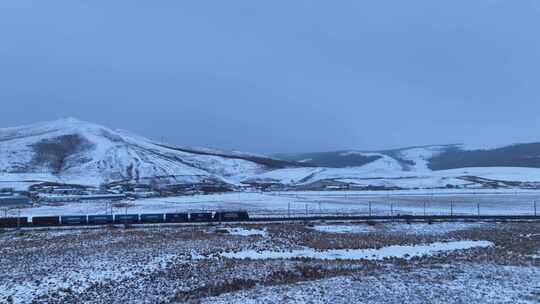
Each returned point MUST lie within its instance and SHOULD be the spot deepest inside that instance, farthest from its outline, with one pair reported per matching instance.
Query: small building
(68, 191)
(6, 190)
(48, 198)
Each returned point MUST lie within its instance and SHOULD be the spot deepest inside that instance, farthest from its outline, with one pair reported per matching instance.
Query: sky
(278, 76)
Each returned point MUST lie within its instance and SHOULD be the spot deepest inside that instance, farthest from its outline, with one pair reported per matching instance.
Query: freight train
(152, 218)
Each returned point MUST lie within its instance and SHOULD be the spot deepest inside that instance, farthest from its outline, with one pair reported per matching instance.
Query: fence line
(314, 208)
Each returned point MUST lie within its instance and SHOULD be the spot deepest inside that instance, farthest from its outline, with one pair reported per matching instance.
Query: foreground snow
(442, 284)
(270, 264)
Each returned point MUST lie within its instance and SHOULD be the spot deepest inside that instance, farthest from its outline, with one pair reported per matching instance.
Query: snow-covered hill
(433, 157)
(77, 152)
(426, 167)
(73, 151)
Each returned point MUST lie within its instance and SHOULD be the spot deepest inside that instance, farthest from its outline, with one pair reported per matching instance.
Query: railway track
(301, 219)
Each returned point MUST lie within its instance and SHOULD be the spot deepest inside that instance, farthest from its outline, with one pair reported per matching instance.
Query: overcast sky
(278, 76)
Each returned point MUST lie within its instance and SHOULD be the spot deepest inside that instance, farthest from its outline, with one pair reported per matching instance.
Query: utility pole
(19, 219)
(369, 208)
(125, 218)
(289, 210)
(451, 208)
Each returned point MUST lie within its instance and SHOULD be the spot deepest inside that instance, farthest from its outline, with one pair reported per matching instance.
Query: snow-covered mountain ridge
(426, 167)
(76, 152)
(432, 157)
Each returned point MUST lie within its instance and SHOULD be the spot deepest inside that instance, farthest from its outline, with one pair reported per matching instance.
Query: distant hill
(435, 157)
(518, 155)
(339, 159)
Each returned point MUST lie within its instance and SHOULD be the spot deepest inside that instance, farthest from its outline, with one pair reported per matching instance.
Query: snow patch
(397, 251)
(431, 229)
(345, 228)
(247, 232)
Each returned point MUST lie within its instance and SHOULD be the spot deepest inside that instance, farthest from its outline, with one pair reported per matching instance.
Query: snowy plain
(419, 202)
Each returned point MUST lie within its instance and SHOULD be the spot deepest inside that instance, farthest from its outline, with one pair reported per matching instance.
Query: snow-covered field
(310, 203)
(278, 263)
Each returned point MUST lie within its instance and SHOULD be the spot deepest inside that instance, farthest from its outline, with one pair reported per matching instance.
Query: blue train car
(231, 216)
(73, 220)
(100, 219)
(126, 218)
(200, 217)
(176, 217)
(152, 218)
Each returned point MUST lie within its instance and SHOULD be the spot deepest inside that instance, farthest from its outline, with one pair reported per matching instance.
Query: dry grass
(36, 255)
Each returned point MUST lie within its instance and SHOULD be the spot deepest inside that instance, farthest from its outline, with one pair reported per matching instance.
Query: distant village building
(48, 198)
(138, 195)
(6, 191)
